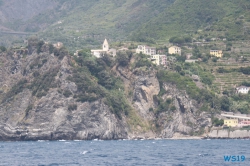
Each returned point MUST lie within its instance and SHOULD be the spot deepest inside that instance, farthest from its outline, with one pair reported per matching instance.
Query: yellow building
(174, 50)
(217, 53)
(231, 122)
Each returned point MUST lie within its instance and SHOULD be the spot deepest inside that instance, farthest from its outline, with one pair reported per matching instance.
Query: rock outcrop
(26, 117)
(186, 119)
(145, 86)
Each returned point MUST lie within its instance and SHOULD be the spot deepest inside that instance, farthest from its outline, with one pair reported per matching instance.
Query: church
(105, 50)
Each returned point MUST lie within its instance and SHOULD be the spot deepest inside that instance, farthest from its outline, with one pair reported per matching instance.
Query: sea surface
(124, 152)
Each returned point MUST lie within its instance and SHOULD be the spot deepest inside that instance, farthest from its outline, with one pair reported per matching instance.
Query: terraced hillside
(83, 23)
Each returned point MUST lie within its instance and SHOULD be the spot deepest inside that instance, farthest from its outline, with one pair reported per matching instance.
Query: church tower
(105, 46)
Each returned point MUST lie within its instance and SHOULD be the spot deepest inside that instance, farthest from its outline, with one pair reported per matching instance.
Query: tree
(2, 48)
(225, 103)
(122, 58)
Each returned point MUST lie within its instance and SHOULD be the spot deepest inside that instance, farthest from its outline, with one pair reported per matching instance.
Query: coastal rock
(26, 117)
(185, 119)
(145, 87)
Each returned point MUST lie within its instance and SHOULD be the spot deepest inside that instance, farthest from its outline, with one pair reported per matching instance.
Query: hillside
(77, 23)
(210, 18)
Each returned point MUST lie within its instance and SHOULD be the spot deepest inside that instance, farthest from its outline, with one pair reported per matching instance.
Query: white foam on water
(84, 152)
(41, 140)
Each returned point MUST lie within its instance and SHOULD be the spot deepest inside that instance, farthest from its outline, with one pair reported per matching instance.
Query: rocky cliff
(39, 101)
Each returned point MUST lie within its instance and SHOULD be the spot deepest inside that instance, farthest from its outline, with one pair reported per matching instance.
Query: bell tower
(105, 46)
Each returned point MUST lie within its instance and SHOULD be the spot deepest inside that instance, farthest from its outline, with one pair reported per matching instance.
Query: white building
(159, 59)
(242, 89)
(146, 50)
(105, 50)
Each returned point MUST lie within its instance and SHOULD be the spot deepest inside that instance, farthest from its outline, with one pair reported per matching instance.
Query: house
(236, 120)
(242, 89)
(145, 50)
(105, 50)
(159, 59)
(217, 53)
(231, 122)
(174, 50)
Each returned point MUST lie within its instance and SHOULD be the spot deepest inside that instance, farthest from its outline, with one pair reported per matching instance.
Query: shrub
(18, 88)
(67, 93)
(3, 49)
(122, 58)
(217, 122)
(72, 107)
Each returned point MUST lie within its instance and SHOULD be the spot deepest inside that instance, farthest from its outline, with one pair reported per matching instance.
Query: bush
(122, 58)
(214, 59)
(67, 93)
(41, 84)
(3, 49)
(60, 53)
(72, 107)
(18, 88)
(39, 46)
(217, 122)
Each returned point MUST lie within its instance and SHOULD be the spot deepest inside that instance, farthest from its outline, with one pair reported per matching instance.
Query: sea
(125, 153)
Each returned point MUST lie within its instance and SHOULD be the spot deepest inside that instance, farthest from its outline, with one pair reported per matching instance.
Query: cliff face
(24, 116)
(38, 102)
(186, 119)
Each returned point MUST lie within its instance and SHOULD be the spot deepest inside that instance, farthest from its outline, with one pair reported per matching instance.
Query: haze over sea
(124, 152)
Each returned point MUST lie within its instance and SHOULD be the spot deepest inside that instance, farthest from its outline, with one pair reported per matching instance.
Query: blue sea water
(123, 153)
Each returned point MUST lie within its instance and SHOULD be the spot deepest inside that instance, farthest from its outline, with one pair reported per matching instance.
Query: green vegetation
(180, 40)
(88, 22)
(16, 89)
(67, 93)
(72, 107)
(163, 106)
(95, 81)
(2, 49)
(244, 70)
(200, 18)
(41, 84)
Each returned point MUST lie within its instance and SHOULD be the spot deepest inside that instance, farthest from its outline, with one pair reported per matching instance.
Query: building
(242, 89)
(244, 123)
(145, 50)
(105, 50)
(159, 59)
(217, 53)
(174, 50)
(231, 122)
(232, 119)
